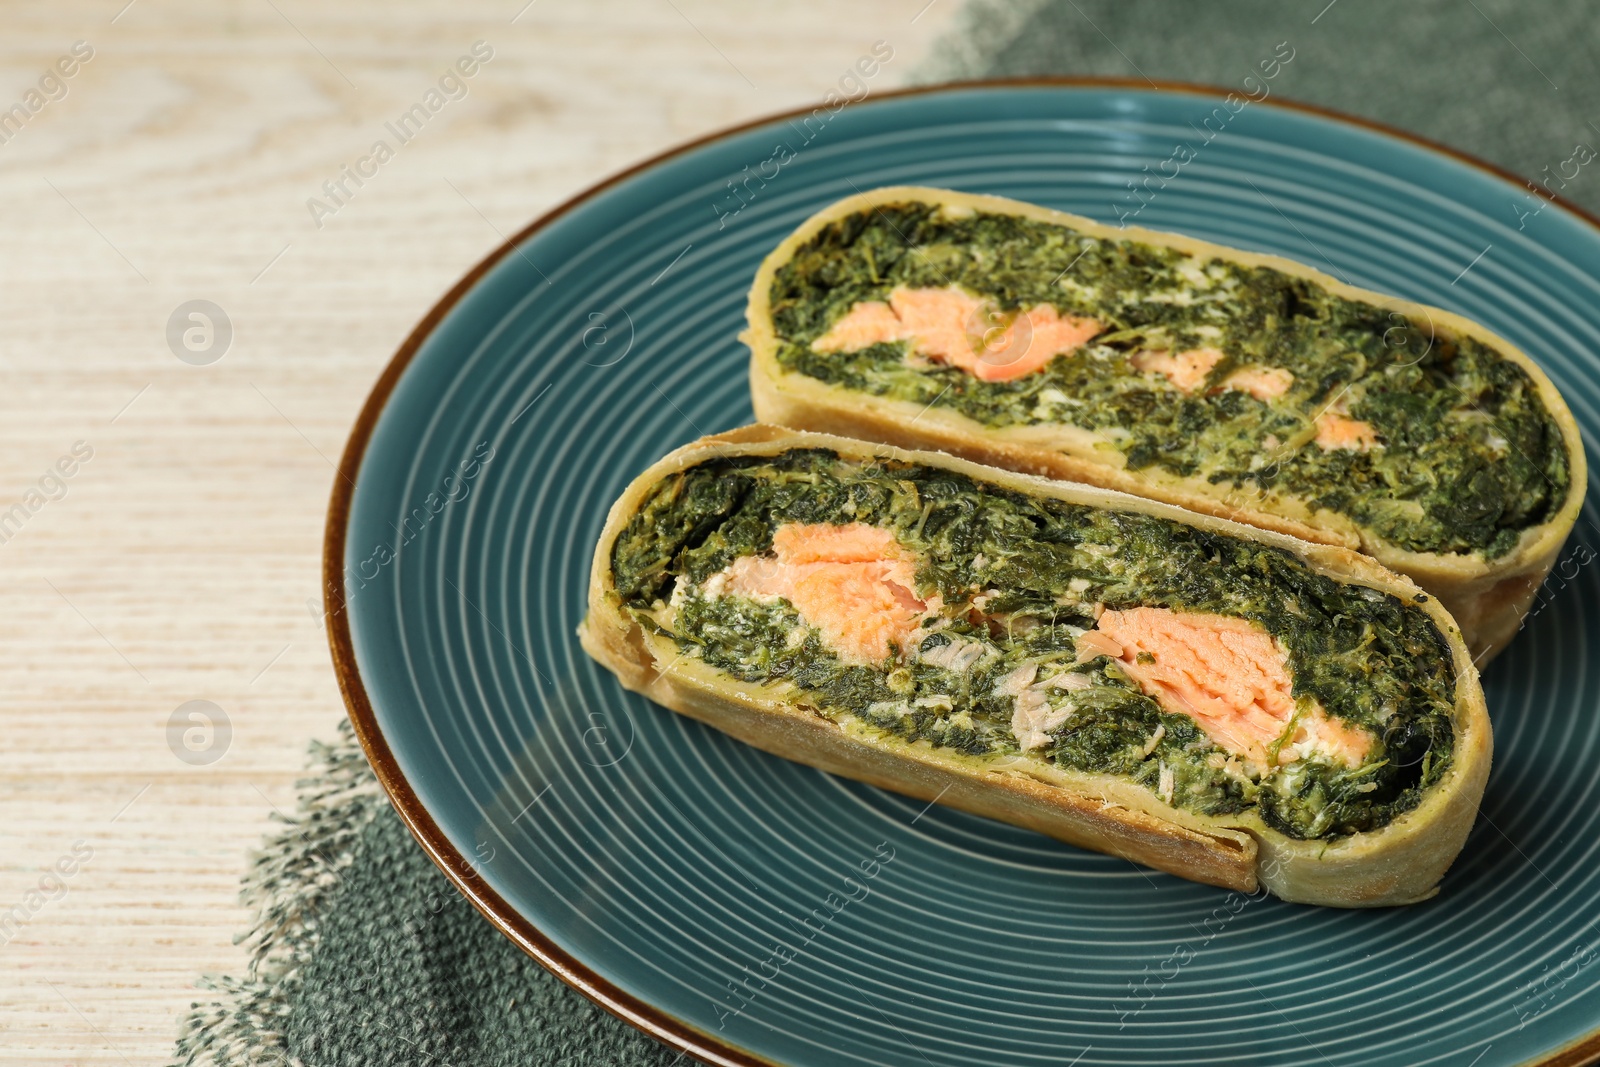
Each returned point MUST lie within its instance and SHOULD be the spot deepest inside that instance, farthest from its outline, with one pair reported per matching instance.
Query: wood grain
(177, 563)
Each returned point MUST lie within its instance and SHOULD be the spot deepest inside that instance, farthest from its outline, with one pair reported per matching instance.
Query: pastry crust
(1398, 864)
(1488, 598)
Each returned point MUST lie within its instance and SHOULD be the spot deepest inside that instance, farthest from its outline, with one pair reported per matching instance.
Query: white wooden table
(177, 561)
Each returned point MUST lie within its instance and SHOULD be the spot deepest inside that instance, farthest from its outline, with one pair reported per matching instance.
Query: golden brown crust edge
(1399, 864)
(1487, 598)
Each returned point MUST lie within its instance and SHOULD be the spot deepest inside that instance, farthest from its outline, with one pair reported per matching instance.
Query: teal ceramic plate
(751, 910)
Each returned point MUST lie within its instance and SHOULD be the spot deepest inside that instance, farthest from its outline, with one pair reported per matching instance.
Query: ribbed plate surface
(727, 890)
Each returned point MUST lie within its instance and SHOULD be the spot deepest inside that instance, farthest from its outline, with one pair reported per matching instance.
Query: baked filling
(921, 605)
(1244, 377)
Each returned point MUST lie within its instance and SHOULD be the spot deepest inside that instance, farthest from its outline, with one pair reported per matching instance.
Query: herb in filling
(1243, 376)
(932, 607)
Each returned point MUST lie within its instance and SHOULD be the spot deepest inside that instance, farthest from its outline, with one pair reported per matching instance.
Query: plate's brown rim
(672, 1031)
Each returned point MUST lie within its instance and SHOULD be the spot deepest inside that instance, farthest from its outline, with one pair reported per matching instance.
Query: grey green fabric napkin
(363, 953)
(1515, 84)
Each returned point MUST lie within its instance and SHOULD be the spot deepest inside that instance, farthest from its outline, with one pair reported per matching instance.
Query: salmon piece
(953, 327)
(1317, 733)
(868, 323)
(1337, 430)
(859, 542)
(1029, 342)
(854, 583)
(1186, 370)
(1229, 675)
(947, 325)
(1263, 383)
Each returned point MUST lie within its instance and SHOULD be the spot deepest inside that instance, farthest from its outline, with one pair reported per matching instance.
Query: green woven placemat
(362, 952)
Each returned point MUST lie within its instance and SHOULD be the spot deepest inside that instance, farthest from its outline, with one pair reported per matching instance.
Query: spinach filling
(1020, 579)
(1470, 456)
